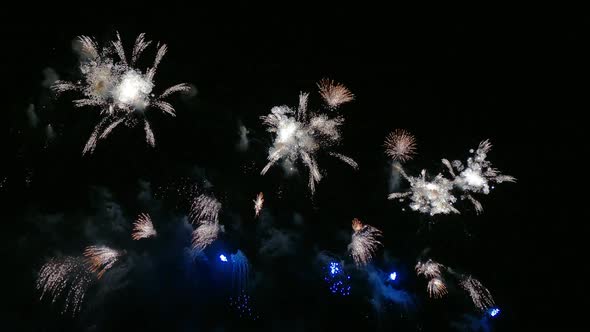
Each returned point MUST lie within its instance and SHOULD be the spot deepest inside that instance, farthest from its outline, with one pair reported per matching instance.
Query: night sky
(452, 81)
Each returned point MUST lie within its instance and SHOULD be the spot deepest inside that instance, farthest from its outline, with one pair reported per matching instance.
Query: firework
(429, 269)
(400, 145)
(436, 288)
(480, 295)
(432, 197)
(242, 306)
(364, 242)
(205, 234)
(338, 281)
(143, 227)
(101, 258)
(69, 275)
(334, 94)
(258, 202)
(111, 82)
(477, 175)
(240, 271)
(205, 209)
(300, 135)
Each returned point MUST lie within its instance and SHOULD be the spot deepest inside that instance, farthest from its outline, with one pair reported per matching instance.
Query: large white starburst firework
(476, 176)
(300, 135)
(111, 81)
(364, 243)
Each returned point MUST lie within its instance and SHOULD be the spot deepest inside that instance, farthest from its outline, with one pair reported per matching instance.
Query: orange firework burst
(400, 145)
(258, 202)
(334, 94)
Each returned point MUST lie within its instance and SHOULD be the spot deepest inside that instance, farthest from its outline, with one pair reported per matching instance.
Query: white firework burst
(258, 203)
(101, 258)
(481, 296)
(429, 269)
(300, 135)
(431, 197)
(111, 82)
(205, 213)
(477, 175)
(69, 275)
(143, 227)
(364, 243)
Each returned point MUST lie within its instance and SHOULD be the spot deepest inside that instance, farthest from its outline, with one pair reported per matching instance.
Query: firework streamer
(477, 175)
(101, 258)
(431, 197)
(300, 135)
(481, 296)
(364, 243)
(205, 213)
(143, 227)
(240, 271)
(258, 203)
(67, 275)
(400, 145)
(111, 82)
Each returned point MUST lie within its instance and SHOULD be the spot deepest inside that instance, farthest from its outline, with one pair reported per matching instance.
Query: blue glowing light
(223, 258)
(494, 312)
(393, 276)
(338, 281)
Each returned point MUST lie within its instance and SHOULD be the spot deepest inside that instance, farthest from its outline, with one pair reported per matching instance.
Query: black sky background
(450, 80)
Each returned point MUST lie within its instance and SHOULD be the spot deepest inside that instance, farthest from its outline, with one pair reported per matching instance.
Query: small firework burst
(258, 202)
(112, 83)
(205, 208)
(101, 258)
(334, 94)
(205, 234)
(400, 145)
(300, 136)
(477, 175)
(143, 227)
(429, 269)
(338, 281)
(242, 306)
(69, 275)
(436, 288)
(481, 296)
(364, 242)
(431, 197)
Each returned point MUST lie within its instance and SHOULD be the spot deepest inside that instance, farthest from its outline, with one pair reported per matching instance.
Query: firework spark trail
(101, 258)
(430, 269)
(300, 135)
(69, 275)
(334, 94)
(143, 227)
(400, 145)
(240, 271)
(205, 209)
(258, 203)
(477, 175)
(437, 288)
(121, 91)
(364, 243)
(481, 296)
(204, 235)
(432, 197)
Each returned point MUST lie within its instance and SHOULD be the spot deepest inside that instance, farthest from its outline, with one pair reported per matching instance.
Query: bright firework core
(133, 90)
(494, 312)
(223, 258)
(393, 276)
